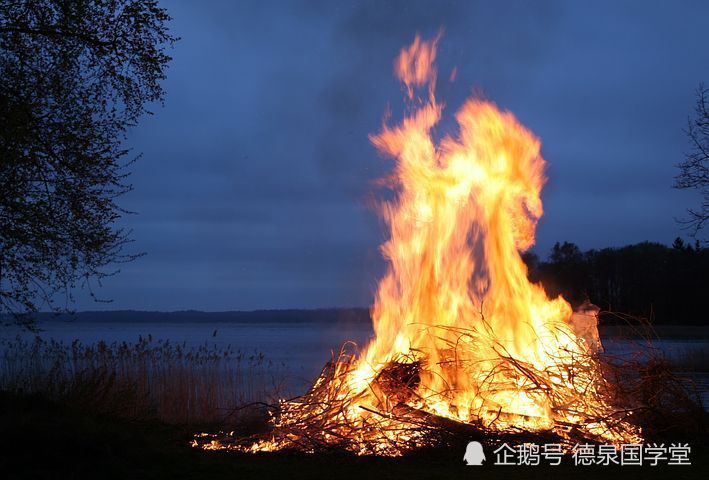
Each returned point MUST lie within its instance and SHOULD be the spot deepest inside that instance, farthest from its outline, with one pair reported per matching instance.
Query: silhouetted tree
(531, 259)
(565, 272)
(565, 253)
(74, 76)
(694, 171)
(647, 279)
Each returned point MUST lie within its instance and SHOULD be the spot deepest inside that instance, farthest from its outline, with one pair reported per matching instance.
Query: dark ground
(45, 440)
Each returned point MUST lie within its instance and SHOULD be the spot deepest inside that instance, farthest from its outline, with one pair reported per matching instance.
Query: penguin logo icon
(474, 454)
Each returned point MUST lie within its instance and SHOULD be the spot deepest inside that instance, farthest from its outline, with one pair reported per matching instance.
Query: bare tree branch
(694, 170)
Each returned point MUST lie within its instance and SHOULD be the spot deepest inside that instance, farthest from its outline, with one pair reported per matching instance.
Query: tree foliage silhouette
(76, 74)
(648, 280)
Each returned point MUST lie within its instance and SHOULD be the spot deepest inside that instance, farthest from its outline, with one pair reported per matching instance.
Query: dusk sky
(253, 187)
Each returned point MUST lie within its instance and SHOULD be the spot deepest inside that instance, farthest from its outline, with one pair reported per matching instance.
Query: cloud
(253, 187)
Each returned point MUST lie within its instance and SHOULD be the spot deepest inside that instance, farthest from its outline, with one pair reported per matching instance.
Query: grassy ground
(44, 439)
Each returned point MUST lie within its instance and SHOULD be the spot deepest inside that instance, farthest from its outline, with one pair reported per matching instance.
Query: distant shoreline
(322, 315)
(343, 316)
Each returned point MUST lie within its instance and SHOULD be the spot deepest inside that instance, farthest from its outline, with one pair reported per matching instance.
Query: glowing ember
(463, 340)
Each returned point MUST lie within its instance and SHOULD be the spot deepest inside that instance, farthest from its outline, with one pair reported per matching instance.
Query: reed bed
(148, 379)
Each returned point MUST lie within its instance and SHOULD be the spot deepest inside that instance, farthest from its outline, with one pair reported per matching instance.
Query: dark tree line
(648, 280)
(74, 76)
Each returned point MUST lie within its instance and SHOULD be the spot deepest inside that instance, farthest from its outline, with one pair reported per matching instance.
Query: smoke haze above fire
(253, 190)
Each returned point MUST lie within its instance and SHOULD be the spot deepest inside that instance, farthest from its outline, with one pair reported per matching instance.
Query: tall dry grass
(149, 379)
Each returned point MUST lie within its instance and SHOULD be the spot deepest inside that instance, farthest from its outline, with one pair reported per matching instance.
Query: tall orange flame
(460, 332)
(456, 292)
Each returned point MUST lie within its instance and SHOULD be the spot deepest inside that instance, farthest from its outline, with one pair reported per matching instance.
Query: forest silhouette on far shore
(647, 280)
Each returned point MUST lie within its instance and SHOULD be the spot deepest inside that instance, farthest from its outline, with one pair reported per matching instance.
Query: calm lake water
(303, 348)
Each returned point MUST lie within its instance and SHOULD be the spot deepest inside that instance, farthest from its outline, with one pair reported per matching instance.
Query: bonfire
(465, 345)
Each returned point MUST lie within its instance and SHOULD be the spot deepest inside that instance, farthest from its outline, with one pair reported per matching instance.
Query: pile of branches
(332, 418)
